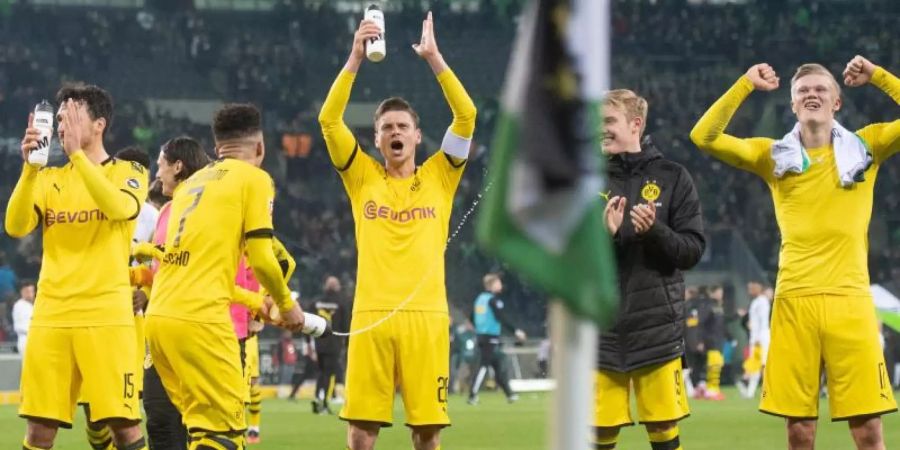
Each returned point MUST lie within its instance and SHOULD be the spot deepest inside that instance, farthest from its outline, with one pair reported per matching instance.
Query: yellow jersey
(401, 225)
(824, 227)
(212, 212)
(84, 278)
(401, 228)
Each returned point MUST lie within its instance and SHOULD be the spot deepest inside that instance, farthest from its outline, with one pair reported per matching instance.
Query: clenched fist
(763, 77)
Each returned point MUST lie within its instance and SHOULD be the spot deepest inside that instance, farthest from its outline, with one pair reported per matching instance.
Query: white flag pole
(574, 344)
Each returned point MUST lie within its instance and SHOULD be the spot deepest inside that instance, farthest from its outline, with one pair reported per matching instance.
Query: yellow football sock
(605, 438)
(714, 363)
(254, 410)
(665, 440)
(100, 439)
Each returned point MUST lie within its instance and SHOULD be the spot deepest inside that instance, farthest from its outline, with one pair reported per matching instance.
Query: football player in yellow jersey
(221, 211)
(402, 215)
(822, 178)
(87, 209)
(179, 158)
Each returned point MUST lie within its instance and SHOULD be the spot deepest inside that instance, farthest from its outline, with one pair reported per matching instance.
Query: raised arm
(459, 136)
(23, 212)
(887, 82)
(118, 199)
(339, 139)
(883, 138)
(709, 133)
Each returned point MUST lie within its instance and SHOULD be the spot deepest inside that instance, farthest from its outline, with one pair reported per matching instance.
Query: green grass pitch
(733, 424)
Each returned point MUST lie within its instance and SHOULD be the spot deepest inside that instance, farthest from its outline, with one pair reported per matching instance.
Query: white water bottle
(43, 121)
(315, 326)
(375, 48)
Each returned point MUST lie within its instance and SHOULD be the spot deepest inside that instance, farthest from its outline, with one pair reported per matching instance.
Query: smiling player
(822, 179)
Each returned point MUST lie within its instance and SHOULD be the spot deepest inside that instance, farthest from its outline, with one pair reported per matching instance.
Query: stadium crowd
(282, 61)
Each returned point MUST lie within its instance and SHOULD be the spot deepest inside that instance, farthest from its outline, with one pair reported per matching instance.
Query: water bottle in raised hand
(375, 47)
(43, 122)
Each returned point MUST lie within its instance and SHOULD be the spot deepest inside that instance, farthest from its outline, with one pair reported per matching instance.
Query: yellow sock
(100, 439)
(605, 438)
(665, 440)
(140, 444)
(27, 446)
(254, 410)
(714, 363)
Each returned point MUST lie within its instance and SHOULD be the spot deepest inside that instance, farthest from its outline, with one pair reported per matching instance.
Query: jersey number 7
(198, 192)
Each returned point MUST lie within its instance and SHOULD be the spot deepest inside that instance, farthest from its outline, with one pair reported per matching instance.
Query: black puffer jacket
(650, 326)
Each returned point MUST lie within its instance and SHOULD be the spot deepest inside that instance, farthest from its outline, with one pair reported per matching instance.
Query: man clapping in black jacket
(653, 214)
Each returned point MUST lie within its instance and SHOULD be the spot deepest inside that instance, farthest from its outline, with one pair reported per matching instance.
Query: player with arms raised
(822, 179)
(402, 215)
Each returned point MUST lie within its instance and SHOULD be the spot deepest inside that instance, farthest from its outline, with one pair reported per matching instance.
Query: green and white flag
(544, 216)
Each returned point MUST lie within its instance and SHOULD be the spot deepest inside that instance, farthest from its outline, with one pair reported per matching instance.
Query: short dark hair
(236, 120)
(155, 193)
(26, 282)
(188, 151)
(396, 104)
(99, 103)
(136, 154)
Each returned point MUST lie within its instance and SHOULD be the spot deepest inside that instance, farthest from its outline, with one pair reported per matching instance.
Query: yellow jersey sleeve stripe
(102, 189)
(285, 260)
(260, 233)
(137, 203)
(349, 160)
(285, 267)
(455, 163)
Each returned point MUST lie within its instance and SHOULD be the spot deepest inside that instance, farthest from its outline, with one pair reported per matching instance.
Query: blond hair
(814, 69)
(489, 280)
(632, 104)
